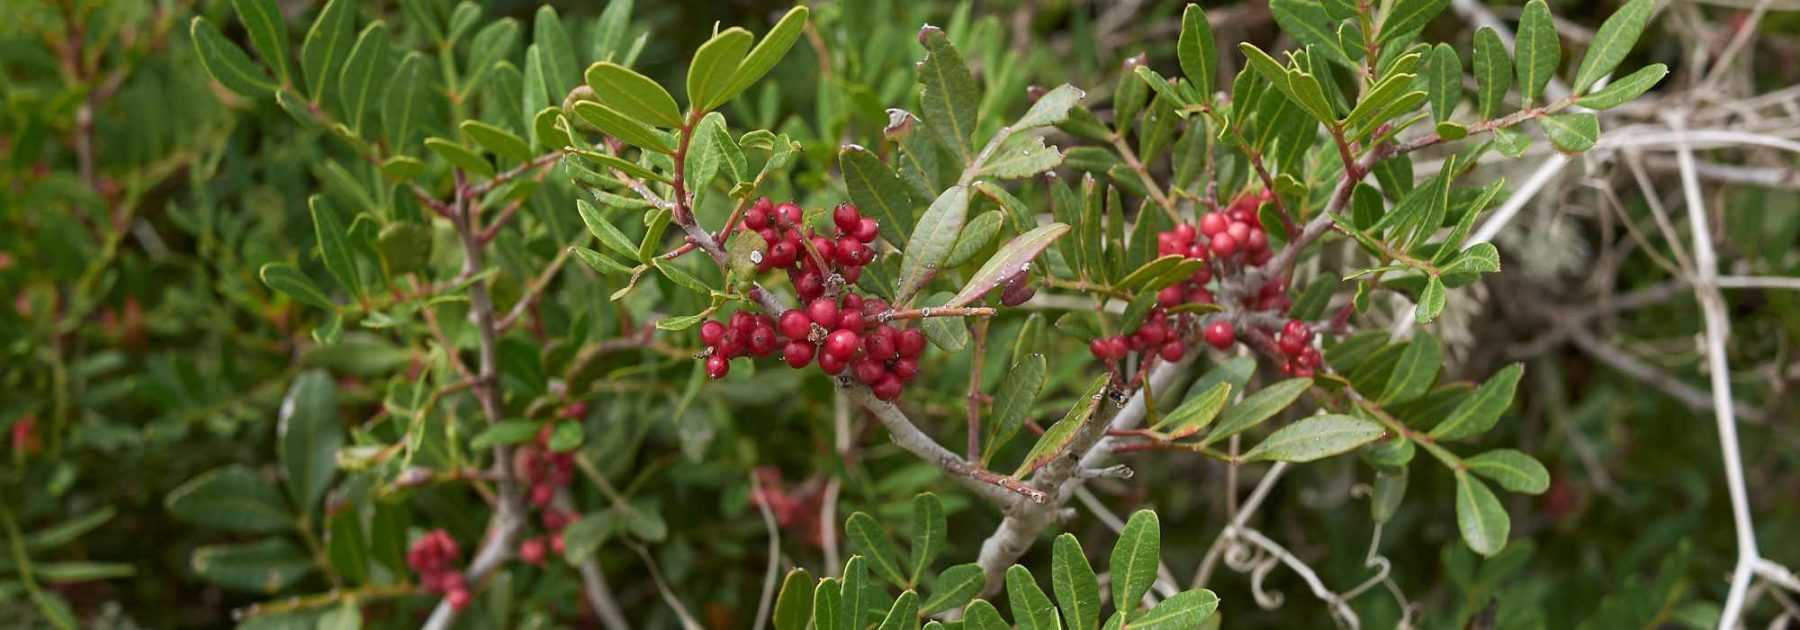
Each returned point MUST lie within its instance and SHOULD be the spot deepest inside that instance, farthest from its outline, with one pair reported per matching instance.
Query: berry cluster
(789, 249)
(544, 471)
(838, 332)
(1158, 334)
(1295, 341)
(434, 557)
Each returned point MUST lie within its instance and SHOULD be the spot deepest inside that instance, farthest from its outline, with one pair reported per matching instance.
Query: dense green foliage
(341, 313)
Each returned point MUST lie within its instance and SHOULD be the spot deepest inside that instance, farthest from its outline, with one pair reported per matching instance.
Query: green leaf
(1407, 18)
(877, 192)
(601, 262)
(1077, 588)
(310, 434)
(1511, 142)
(1257, 408)
(1195, 413)
(327, 45)
(715, 67)
(561, 69)
(975, 237)
(461, 157)
(1536, 50)
(1478, 413)
(1416, 370)
(1315, 437)
(768, 52)
(931, 240)
(1479, 516)
(1493, 72)
(929, 531)
(506, 432)
(948, 102)
(403, 102)
(948, 333)
(1187, 609)
(72, 572)
(980, 615)
(1050, 109)
(617, 125)
(873, 542)
(855, 592)
(904, 614)
(502, 142)
(1431, 301)
(609, 236)
(228, 64)
(1299, 87)
(1512, 469)
(346, 546)
(1626, 89)
(1134, 560)
(680, 276)
(1021, 156)
(1031, 608)
(1018, 392)
(826, 598)
(633, 94)
(1445, 81)
(268, 33)
(67, 531)
(366, 67)
(1057, 437)
(793, 607)
(585, 536)
(953, 588)
(231, 498)
(1013, 258)
(1615, 38)
(1195, 49)
(1478, 258)
(289, 281)
(1572, 132)
(266, 566)
(1308, 22)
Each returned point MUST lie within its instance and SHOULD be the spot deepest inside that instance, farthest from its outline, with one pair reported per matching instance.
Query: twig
(669, 597)
(1254, 501)
(1636, 368)
(1712, 305)
(769, 577)
(908, 436)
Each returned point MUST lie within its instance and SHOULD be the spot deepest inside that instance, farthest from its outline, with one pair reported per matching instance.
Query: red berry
(853, 253)
(733, 345)
(1100, 349)
(1203, 276)
(762, 340)
(1261, 256)
(1239, 231)
(769, 235)
(532, 550)
(554, 520)
(888, 389)
(1212, 224)
(912, 343)
(1196, 251)
(869, 371)
(711, 333)
(757, 217)
(823, 311)
(872, 306)
(1257, 241)
(1220, 334)
(809, 285)
(795, 324)
(782, 255)
(843, 344)
(1223, 244)
(458, 598)
(826, 248)
(853, 302)
(790, 213)
(797, 353)
(1309, 358)
(847, 218)
(906, 368)
(851, 274)
(1153, 333)
(743, 321)
(1166, 244)
(1290, 345)
(1185, 232)
(542, 493)
(1297, 328)
(1302, 372)
(882, 345)
(1118, 347)
(851, 321)
(1172, 351)
(1171, 296)
(717, 366)
(556, 543)
(868, 230)
(831, 364)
